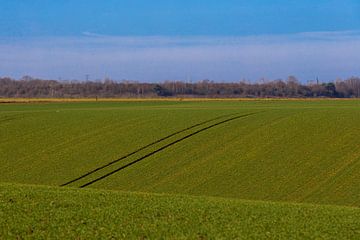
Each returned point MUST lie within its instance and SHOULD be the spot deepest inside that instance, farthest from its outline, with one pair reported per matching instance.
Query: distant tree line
(28, 87)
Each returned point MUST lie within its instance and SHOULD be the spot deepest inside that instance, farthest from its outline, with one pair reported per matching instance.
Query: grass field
(294, 151)
(43, 212)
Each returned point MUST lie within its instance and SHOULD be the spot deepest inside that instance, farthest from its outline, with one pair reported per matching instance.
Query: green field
(292, 151)
(43, 212)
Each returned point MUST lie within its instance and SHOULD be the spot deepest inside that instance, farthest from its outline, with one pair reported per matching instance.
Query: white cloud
(307, 55)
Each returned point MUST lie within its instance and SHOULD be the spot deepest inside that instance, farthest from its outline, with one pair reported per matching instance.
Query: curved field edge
(34, 212)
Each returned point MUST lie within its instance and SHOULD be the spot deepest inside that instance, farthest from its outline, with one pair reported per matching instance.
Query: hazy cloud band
(307, 55)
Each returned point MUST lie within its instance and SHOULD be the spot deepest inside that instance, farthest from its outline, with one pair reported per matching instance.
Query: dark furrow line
(6, 120)
(10, 118)
(142, 148)
(162, 148)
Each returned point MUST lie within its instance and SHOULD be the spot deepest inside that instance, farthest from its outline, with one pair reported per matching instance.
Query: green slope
(63, 213)
(300, 151)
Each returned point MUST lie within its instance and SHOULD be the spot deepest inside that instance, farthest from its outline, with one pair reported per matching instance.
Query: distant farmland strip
(142, 148)
(163, 148)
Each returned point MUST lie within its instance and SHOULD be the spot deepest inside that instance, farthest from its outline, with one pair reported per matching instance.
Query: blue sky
(173, 39)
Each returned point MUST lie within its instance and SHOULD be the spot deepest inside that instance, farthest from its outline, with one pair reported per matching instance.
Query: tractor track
(165, 147)
(9, 118)
(142, 148)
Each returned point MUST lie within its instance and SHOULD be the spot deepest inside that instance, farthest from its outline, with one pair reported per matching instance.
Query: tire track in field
(9, 118)
(165, 147)
(142, 148)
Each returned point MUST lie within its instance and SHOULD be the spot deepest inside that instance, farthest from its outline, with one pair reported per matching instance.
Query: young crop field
(58, 213)
(293, 151)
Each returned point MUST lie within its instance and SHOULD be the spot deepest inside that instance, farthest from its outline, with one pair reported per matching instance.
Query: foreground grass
(34, 212)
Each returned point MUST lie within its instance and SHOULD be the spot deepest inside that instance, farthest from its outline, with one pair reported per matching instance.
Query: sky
(144, 40)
